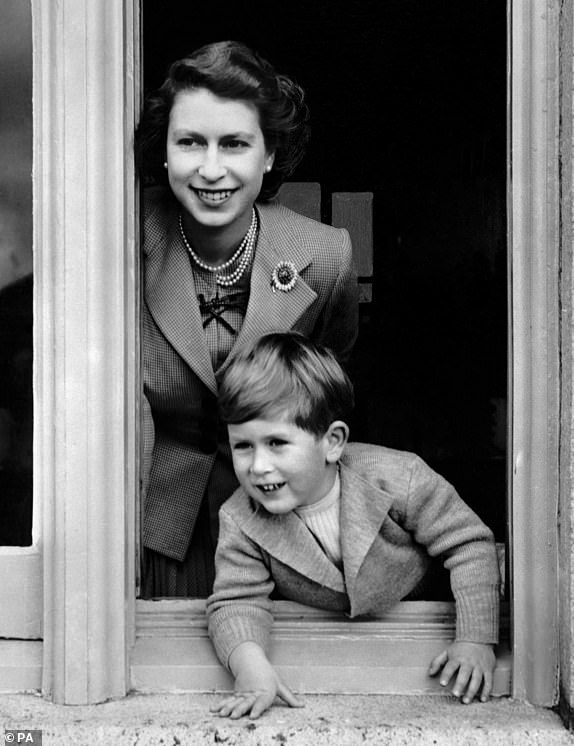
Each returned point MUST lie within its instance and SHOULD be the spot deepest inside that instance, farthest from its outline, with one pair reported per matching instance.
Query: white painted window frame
(95, 646)
(534, 395)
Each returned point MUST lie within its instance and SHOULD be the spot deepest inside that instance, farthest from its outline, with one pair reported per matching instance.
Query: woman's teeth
(219, 196)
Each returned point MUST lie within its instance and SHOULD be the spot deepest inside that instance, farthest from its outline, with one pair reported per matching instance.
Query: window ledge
(315, 651)
(20, 665)
(325, 719)
(21, 592)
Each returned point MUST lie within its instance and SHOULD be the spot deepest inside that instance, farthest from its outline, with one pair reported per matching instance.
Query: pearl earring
(267, 169)
(165, 164)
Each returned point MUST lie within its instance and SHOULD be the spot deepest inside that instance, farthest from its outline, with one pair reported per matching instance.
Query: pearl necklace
(244, 252)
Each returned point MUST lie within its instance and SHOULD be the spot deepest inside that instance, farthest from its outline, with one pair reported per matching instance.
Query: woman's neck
(215, 245)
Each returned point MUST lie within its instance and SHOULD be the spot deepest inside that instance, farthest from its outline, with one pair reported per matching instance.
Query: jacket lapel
(270, 310)
(286, 538)
(364, 507)
(171, 298)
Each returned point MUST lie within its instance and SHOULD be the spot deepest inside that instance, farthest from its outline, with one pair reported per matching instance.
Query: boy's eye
(277, 442)
(241, 446)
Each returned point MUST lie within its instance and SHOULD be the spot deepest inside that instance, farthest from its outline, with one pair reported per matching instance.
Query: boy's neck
(332, 471)
(328, 498)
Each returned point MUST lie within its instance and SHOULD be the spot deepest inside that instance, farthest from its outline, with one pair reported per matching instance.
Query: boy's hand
(473, 664)
(256, 685)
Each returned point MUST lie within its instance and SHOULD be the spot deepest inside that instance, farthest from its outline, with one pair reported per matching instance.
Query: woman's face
(216, 158)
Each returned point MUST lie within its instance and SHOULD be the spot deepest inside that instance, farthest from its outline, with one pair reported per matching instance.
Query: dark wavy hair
(285, 374)
(229, 69)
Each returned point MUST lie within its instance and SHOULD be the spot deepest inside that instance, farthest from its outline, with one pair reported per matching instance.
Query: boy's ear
(336, 439)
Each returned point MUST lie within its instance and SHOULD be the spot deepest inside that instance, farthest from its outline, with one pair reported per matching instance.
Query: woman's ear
(336, 439)
(269, 160)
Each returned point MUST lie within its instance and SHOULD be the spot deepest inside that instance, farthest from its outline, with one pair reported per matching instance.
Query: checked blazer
(182, 435)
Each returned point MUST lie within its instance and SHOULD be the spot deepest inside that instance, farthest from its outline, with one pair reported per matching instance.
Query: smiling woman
(216, 159)
(214, 144)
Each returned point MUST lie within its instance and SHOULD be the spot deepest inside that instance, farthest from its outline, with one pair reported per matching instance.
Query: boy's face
(282, 466)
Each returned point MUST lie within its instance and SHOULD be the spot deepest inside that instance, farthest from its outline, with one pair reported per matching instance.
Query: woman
(223, 264)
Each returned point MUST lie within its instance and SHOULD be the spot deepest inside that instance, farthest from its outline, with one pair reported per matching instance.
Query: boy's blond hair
(285, 374)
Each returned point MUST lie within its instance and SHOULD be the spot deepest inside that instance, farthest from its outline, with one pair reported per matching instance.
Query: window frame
(533, 393)
(86, 91)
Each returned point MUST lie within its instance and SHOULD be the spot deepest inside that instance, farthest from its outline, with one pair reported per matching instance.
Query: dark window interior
(16, 274)
(408, 101)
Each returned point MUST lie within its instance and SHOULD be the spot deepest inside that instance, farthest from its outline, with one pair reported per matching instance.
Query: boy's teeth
(270, 487)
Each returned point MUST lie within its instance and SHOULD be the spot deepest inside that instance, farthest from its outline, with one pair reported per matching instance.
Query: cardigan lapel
(286, 538)
(171, 298)
(270, 310)
(364, 507)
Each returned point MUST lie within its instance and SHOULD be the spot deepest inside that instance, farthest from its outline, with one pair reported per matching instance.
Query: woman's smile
(216, 159)
(213, 196)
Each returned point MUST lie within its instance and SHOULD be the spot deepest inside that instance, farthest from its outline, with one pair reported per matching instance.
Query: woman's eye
(235, 144)
(187, 142)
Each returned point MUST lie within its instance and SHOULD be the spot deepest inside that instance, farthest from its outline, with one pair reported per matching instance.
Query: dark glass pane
(16, 414)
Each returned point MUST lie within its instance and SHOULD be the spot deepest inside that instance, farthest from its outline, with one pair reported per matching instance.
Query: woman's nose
(211, 167)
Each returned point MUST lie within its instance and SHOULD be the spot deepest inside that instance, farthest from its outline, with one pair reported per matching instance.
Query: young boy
(332, 524)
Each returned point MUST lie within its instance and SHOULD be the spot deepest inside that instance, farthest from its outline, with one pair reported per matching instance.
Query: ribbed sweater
(322, 520)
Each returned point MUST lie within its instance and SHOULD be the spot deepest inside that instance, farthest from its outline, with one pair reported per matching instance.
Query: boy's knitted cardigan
(397, 514)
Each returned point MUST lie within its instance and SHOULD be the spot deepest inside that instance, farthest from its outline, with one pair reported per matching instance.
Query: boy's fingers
(262, 703)
(221, 705)
(448, 672)
(241, 709)
(437, 663)
(287, 695)
(228, 710)
(464, 674)
(487, 687)
(235, 706)
(473, 686)
(225, 706)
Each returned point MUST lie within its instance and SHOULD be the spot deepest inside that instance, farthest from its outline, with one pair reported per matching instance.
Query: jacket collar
(172, 300)
(364, 508)
(269, 309)
(286, 538)
(171, 296)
